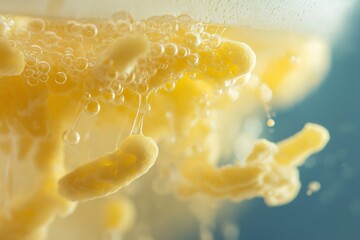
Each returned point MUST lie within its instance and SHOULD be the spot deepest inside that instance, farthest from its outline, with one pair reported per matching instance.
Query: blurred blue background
(333, 213)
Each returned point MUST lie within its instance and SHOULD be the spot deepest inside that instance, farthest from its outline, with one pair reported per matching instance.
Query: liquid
(169, 83)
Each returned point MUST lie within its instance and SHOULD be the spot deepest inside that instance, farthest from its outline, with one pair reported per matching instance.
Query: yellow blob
(106, 175)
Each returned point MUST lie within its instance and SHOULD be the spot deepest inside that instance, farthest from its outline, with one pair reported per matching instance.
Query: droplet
(92, 107)
(60, 78)
(89, 31)
(70, 136)
(108, 95)
(43, 67)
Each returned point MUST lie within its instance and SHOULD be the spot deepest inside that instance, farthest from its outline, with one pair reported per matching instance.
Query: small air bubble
(31, 81)
(193, 59)
(70, 136)
(36, 26)
(109, 28)
(169, 86)
(119, 100)
(89, 31)
(44, 78)
(81, 64)
(214, 41)
(92, 107)
(43, 67)
(108, 95)
(60, 78)
(145, 108)
(193, 39)
(171, 49)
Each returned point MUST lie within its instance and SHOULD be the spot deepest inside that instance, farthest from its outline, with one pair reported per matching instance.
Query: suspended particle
(71, 136)
(313, 187)
(60, 78)
(145, 108)
(92, 107)
(270, 122)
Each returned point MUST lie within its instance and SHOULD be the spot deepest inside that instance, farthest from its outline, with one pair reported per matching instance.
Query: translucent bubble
(36, 25)
(193, 59)
(43, 67)
(166, 27)
(73, 28)
(184, 18)
(108, 95)
(157, 49)
(139, 26)
(182, 52)
(169, 86)
(123, 15)
(170, 49)
(117, 87)
(31, 81)
(86, 96)
(35, 50)
(119, 100)
(60, 78)
(68, 60)
(28, 72)
(214, 41)
(122, 77)
(193, 39)
(44, 78)
(70, 136)
(123, 26)
(51, 39)
(31, 60)
(92, 107)
(145, 108)
(89, 31)
(81, 64)
(109, 28)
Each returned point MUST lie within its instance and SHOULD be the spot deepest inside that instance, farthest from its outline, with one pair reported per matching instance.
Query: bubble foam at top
(307, 15)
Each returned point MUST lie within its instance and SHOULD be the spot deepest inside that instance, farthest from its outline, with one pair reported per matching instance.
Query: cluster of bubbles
(64, 52)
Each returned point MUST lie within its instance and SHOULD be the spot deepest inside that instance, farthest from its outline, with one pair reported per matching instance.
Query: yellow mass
(90, 107)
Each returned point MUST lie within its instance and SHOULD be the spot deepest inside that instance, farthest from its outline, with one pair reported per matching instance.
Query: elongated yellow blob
(11, 60)
(135, 156)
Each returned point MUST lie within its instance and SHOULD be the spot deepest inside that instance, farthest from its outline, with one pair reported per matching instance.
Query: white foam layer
(320, 16)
